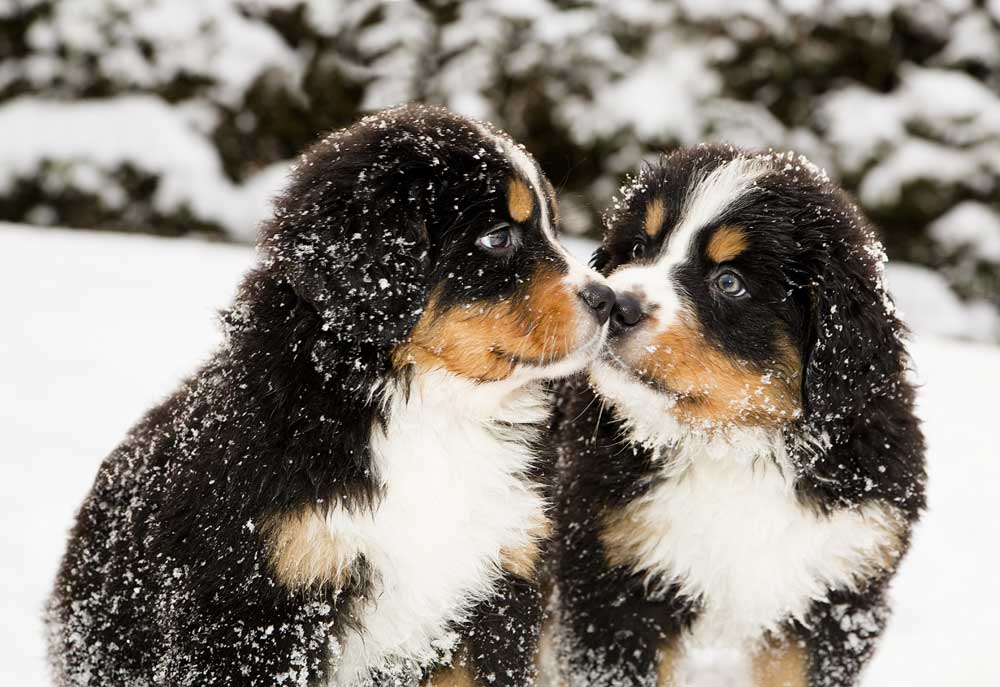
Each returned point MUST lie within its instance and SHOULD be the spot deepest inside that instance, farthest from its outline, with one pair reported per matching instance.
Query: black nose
(627, 312)
(599, 298)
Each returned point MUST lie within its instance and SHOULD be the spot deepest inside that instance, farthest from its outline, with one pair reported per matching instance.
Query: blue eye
(498, 238)
(730, 284)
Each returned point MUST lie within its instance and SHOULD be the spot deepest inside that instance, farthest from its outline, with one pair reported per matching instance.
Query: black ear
(854, 354)
(350, 238)
(858, 415)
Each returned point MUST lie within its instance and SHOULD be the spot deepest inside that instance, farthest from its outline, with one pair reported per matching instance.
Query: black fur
(166, 578)
(815, 274)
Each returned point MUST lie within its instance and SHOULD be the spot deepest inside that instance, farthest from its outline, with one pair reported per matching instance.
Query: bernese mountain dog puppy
(743, 467)
(347, 493)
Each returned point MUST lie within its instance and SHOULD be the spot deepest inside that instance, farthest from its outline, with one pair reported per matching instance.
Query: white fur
(726, 524)
(646, 411)
(731, 532)
(707, 198)
(455, 496)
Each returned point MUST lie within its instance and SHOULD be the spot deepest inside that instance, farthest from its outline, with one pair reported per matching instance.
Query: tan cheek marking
(523, 561)
(303, 553)
(480, 341)
(519, 200)
(726, 244)
(655, 214)
(781, 663)
(713, 388)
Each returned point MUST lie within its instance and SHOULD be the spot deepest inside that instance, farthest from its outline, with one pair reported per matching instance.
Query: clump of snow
(656, 99)
(954, 113)
(969, 226)
(91, 140)
(919, 160)
(930, 307)
(145, 43)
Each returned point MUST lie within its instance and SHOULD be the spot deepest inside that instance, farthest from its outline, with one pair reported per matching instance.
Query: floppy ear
(854, 354)
(857, 401)
(350, 238)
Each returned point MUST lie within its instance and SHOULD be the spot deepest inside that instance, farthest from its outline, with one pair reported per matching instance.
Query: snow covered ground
(97, 327)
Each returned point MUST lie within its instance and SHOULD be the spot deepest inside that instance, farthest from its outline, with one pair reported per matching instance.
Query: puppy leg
(841, 636)
(503, 637)
(266, 637)
(616, 636)
(499, 644)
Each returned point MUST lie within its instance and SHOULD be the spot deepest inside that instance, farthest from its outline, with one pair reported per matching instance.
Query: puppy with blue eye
(348, 492)
(743, 466)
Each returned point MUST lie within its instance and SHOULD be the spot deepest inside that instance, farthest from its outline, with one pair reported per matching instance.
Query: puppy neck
(649, 423)
(456, 399)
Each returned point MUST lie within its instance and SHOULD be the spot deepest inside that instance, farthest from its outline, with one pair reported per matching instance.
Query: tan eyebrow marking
(655, 214)
(519, 200)
(727, 243)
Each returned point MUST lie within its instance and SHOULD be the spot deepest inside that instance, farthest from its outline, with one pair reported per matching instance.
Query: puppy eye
(730, 284)
(499, 238)
(638, 250)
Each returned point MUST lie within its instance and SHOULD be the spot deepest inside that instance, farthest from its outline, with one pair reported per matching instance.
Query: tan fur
(666, 667)
(624, 536)
(520, 201)
(455, 675)
(781, 663)
(712, 388)
(655, 214)
(726, 244)
(886, 558)
(523, 562)
(303, 553)
(485, 341)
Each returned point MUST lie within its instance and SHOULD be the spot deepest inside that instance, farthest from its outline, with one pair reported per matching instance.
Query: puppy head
(428, 241)
(749, 294)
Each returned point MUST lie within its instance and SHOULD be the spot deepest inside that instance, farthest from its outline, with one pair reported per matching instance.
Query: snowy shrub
(173, 117)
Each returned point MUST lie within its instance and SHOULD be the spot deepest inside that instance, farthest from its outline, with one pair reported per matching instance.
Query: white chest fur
(455, 496)
(732, 534)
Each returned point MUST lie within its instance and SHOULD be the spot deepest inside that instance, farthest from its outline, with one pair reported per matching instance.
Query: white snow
(970, 225)
(92, 139)
(957, 118)
(98, 327)
(149, 42)
(930, 307)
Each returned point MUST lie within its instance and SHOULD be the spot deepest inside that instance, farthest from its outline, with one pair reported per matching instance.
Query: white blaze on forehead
(579, 273)
(707, 197)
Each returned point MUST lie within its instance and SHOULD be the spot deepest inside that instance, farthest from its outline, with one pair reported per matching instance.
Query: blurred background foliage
(182, 116)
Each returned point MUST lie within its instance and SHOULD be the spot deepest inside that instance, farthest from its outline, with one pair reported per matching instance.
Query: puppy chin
(577, 360)
(648, 411)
